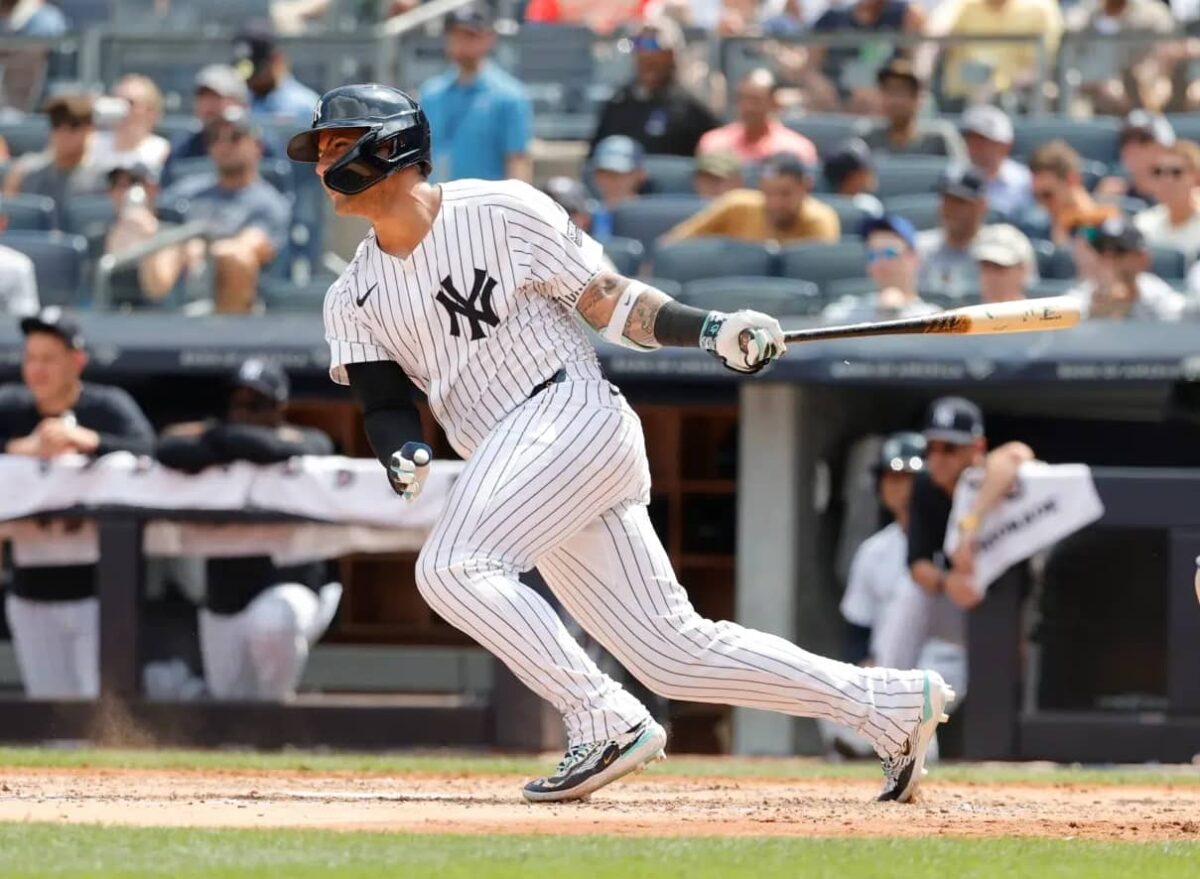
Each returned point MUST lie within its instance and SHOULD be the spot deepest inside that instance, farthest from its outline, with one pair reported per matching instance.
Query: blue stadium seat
(1187, 125)
(672, 288)
(647, 218)
(28, 134)
(1054, 263)
(1168, 263)
(715, 257)
(923, 210)
(825, 130)
(553, 54)
(626, 254)
(1094, 139)
(83, 14)
(907, 175)
(58, 260)
(775, 296)
(824, 263)
(670, 175)
(28, 213)
(90, 216)
(862, 286)
(850, 213)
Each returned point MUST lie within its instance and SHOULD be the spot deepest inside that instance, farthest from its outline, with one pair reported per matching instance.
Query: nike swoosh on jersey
(361, 300)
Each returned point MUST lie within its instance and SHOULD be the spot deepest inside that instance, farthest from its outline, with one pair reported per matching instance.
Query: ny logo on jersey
(476, 308)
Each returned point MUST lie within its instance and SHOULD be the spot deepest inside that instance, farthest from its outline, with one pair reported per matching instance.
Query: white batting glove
(408, 468)
(744, 341)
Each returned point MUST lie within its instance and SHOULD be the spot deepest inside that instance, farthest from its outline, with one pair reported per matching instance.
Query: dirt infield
(647, 805)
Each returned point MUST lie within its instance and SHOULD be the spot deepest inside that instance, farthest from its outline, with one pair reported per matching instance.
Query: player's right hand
(744, 341)
(408, 468)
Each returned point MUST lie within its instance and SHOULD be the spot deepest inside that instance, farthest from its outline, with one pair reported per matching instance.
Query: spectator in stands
(259, 619)
(902, 130)
(845, 75)
(892, 263)
(948, 268)
(603, 18)
(18, 281)
(481, 117)
(850, 169)
(248, 217)
(274, 93)
(132, 138)
(1007, 263)
(781, 209)
(52, 610)
(997, 68)
(1058, 189)
(716, 174)
(955, 441)
(1122, 287)
(618, 169)
(32, 18)
(1144, 137)
(65, 168)
(757, 133)
(1175, 184)
(988, 134)
(1117, 77)
(655, 109)
(133, 188)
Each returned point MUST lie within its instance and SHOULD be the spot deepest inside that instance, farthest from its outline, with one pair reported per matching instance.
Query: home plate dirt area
(645, 804)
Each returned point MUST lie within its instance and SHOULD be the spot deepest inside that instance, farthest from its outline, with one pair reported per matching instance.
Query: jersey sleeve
(858, 601)
(560, 257)
(349, 340)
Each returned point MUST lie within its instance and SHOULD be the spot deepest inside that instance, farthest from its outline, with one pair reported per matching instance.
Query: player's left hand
(408, 468)
(744, 341)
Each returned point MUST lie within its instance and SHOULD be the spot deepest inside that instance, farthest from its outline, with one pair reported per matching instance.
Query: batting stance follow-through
(467, 289)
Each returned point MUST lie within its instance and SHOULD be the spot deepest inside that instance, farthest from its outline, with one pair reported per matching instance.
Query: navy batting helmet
(902, 452)
(395, 135)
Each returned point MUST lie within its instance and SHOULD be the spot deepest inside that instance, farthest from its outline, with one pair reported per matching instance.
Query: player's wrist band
(710, 330)
(683, 326)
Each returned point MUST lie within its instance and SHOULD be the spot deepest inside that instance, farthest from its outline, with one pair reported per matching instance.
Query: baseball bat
(1022, 316)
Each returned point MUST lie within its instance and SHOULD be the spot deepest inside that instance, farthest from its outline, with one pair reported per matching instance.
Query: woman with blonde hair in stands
(132, 138)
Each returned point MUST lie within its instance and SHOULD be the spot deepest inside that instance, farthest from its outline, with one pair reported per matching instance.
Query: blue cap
(618, 153)
(891, 223)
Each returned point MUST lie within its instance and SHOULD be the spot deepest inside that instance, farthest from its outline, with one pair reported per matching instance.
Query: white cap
(1003, 245)
(988, 121)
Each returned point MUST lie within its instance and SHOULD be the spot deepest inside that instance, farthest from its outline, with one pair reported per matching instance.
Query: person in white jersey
(469, 290)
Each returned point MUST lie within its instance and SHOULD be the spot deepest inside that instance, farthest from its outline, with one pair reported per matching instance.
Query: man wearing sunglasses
(655, 109)
(1121, 286)
(249, 218)
(893, 264)
(955, 441)
(1175, 221)
(1058, 189)
(1144, 137)
(259, 619)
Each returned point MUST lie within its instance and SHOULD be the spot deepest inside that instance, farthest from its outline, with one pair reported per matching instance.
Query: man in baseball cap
(274, 92)
(988, 133)
(716, 174)
(618, 169)
(903, 130)
(893, 264)
(947, 266)
(850, 169)
(1122, 286)
(1007, 263)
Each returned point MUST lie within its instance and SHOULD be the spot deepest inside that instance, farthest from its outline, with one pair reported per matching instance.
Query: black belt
(556, 379)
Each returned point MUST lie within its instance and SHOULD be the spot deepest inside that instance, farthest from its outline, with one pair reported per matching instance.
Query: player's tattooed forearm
(599, 297)
(640, 326)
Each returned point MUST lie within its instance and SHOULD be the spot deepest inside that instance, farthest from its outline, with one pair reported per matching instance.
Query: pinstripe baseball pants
(562, 484)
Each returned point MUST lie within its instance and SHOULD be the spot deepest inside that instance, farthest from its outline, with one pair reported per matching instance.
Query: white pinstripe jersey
(479, 314)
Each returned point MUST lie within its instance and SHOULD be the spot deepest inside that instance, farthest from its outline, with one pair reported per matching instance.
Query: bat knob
(419, 453)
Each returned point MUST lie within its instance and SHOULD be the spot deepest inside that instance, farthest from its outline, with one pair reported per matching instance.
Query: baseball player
(469, 289)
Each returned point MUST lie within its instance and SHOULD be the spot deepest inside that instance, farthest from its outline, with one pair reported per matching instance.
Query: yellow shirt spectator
(743, 214)
(1009, 61)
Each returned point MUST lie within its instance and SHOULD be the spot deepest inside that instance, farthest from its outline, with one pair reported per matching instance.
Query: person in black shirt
(955, 441)
(53, 610)
(654, 109)
(259, 619)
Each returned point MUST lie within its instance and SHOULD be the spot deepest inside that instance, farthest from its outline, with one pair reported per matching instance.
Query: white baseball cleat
(902, 772)
(589, 767)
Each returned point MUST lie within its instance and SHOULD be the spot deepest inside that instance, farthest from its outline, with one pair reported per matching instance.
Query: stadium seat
(825, 130)
(1054, 263)
(647, 218)
(824, 263)
(714, 257)
(863, 286)
(28, 213)
(1187, 125)
(28, 134)
(923, 210)
(1168, 263)
(672, 288)
(850, 213)
(670, 175)
(90, 216)
(908, 175)
(82, 14)
(1094, 139)
(626, 254)
(176, 126)
(58, 261)
(553, 54)
(781, 297)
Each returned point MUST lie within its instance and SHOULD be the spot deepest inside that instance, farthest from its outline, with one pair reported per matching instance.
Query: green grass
(39, 850)
(475, 763)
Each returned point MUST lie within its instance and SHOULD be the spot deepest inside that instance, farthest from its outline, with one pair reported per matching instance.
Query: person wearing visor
(481, 117)
(259, 619)
(655, 109)
(52, 609)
